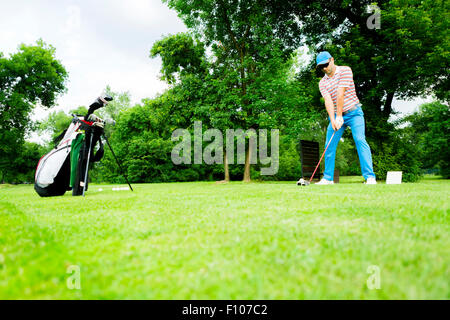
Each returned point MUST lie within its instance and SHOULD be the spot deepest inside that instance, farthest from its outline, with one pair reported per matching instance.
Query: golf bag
(66, 167)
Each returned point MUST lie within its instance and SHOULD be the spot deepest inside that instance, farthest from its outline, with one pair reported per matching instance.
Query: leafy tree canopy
(31, 76)
(428, 130)
(179, 54)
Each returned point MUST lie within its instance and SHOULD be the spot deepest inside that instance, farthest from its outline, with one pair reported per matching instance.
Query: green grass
(228, 241)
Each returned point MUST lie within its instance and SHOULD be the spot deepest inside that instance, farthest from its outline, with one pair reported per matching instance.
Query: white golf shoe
(324, 182)
(371, 181)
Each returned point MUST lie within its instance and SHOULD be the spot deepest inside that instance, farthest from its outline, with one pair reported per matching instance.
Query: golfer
(344, 110)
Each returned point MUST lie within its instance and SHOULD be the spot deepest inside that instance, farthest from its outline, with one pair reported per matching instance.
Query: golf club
(87, 165)
(303, 182)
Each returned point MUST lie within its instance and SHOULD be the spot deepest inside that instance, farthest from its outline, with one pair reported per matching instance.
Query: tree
(29, 77)
(249, 40)
(185, 68)
(181, 55)
(428, 130)
(24, 165)
(194, 88)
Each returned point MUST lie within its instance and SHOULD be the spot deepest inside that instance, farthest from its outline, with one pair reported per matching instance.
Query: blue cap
(323, 57)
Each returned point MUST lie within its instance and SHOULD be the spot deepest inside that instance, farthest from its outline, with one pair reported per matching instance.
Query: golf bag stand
(117, 161)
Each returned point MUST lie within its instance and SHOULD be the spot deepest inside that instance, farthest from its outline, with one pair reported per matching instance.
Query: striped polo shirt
(343, 77)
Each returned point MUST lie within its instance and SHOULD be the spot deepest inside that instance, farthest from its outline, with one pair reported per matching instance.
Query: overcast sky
(100, 42)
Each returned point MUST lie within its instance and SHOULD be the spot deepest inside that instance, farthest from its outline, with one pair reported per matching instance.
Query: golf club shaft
(118, 163)
(321, 157)
(87, 164)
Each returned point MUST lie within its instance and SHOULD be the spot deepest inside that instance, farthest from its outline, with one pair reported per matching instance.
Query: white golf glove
(339, 122)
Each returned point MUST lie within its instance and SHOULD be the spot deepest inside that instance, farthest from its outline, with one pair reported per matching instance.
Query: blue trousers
(355, 120)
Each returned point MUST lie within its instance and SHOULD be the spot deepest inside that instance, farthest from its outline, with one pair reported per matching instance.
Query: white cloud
(146, 14)
(408, 106)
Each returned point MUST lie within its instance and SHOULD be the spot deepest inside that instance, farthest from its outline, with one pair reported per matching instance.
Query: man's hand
(339, 122)
(334, 125)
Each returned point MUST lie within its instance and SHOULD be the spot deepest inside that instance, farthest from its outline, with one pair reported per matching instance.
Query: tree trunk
(225, 167)
(247, 165)
(388, 105)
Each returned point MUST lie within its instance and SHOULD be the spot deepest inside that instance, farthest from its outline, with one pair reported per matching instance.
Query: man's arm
(344, 82)
(340, 101)
(340, 107)
(330, 109)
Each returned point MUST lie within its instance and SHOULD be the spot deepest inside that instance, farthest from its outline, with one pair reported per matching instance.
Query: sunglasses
(321, 66)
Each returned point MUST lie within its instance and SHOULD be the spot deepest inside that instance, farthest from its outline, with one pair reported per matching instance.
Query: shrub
(396, 155)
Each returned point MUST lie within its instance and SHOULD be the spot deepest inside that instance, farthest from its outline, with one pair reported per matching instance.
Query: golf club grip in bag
(99, 103)
(87, 152)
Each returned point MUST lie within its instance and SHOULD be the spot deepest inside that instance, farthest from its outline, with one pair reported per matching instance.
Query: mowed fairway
(205, 240)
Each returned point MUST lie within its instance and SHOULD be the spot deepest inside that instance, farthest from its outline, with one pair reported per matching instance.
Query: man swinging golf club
(344, 110)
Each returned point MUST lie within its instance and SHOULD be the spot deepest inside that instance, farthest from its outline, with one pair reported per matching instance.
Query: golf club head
(107, 97)
(303, 182)
(104, 99)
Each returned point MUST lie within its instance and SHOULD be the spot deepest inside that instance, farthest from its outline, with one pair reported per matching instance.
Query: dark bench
(309, 156)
